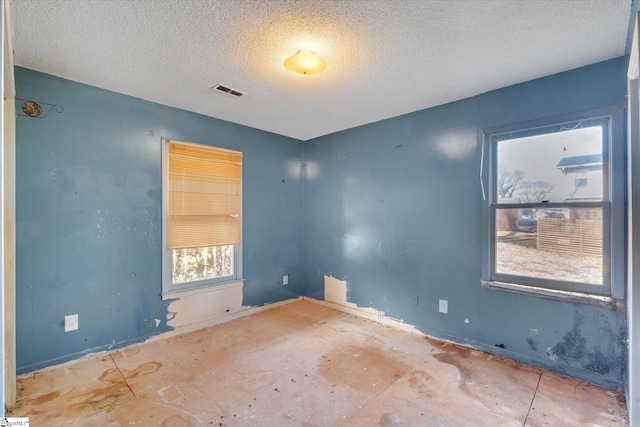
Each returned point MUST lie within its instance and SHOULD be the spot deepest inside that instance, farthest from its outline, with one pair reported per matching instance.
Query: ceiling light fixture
(305, 63)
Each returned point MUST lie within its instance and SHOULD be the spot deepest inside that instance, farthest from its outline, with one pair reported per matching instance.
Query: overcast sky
(537, 156)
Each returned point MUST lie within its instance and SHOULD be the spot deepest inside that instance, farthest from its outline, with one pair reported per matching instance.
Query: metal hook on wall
(35, 110)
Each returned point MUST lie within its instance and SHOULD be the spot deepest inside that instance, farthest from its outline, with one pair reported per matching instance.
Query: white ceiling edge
(385, 59)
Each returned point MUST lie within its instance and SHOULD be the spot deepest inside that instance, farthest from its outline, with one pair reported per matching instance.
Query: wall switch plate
(285, 279)
(71, 323)
(443, 306)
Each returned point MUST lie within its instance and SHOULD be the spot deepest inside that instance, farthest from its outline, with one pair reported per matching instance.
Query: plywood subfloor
(302, 364)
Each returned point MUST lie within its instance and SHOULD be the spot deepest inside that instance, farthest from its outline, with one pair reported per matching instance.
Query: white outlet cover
(443, 306)
(71, 323)
(285, 279)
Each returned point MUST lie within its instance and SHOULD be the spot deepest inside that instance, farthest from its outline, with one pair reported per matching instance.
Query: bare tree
(534, 191)
(202, 263)
(508, 182)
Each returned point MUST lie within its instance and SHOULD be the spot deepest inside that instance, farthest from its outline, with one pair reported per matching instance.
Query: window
(549, 209)
(581, 182)
(202, 215)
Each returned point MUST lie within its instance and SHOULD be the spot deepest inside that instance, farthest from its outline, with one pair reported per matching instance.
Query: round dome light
(305, 63)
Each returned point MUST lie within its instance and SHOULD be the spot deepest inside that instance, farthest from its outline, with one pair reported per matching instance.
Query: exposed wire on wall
(484, 196)
(35, 110)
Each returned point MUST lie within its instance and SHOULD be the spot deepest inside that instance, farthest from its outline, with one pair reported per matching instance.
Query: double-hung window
(549, 216)
(202, 211)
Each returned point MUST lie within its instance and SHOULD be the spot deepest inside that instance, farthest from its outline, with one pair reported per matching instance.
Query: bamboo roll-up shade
(205, 196)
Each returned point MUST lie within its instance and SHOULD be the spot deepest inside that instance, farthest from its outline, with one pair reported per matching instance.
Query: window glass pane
(562, 244)
(192, 264)
(556, 167)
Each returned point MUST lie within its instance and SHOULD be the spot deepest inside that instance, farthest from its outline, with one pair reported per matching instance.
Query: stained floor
(303, 364)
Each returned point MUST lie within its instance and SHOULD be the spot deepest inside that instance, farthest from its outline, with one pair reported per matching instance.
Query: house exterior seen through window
(549, 206)
(202, 215)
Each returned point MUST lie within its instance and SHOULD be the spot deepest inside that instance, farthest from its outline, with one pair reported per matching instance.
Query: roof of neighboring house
(580, 161)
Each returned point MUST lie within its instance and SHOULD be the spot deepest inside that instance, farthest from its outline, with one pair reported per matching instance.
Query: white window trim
(613, 233)
(168, 291)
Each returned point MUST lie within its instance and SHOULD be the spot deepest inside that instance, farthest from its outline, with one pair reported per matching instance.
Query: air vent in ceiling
(230, 91)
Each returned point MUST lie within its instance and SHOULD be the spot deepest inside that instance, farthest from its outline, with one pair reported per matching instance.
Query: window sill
(202, 289)
(558, 295)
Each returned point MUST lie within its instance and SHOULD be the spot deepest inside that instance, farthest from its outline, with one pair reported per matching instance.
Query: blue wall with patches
(395, 209)
(88, 211)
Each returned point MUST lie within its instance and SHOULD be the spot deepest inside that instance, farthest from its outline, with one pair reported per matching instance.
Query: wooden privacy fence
(583, 236)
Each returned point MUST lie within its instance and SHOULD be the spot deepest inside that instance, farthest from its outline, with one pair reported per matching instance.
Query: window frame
(612, 203)
(168, 288)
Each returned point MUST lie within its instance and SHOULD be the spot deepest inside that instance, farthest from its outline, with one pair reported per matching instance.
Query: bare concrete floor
(306, 365)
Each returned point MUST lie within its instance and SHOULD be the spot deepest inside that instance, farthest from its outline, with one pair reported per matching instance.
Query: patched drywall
(335, 296)
(202, 307)
(335, 291)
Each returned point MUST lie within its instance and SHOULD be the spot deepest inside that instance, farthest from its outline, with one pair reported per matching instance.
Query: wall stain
(533, 344)
(573, 345)
(573, 350)
(598, 362)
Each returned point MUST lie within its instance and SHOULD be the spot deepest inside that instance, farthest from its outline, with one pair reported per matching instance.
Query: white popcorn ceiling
(385, 58)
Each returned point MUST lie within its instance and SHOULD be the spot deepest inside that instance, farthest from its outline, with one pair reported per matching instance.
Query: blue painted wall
(89, 216)
(395, 209)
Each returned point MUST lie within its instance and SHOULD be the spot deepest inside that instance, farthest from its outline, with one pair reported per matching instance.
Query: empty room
(320, 213)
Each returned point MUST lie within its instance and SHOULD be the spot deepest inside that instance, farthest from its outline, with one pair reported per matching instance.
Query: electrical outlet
(443, 306)
(285, 279)
(71, 323)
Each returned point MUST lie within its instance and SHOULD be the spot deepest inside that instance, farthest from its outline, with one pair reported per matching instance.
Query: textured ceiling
(385, 58)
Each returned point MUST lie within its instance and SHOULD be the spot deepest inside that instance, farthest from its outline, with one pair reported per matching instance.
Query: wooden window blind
(205, 196)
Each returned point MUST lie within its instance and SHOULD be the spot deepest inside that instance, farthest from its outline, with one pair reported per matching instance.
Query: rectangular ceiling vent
(230, 91)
